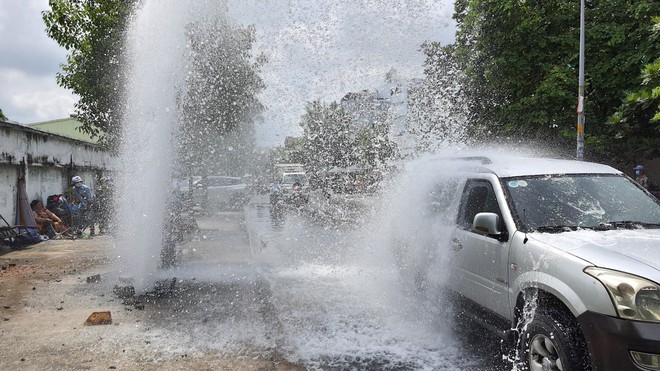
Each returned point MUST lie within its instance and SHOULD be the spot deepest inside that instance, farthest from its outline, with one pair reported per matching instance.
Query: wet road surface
(284, 283)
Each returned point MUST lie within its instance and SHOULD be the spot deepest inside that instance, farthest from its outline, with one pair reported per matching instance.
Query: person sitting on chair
(47, 222)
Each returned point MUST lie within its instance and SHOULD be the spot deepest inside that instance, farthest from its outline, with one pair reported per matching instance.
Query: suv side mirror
(486, 224)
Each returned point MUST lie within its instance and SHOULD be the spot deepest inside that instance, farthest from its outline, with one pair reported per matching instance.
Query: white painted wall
(49, 162)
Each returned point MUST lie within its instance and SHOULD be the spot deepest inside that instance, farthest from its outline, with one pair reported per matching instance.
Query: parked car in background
(216, 193)
(184, 185)
(289, 179)
(560, 257)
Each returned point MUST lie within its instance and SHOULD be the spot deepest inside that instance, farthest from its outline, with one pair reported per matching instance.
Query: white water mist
(157, 50)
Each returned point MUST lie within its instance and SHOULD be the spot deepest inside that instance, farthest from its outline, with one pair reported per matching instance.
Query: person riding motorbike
(298, 198)
(275, 192)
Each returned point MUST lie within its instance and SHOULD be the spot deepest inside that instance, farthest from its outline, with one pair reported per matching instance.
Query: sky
(30, 61)
(324, 49)
(318, 49)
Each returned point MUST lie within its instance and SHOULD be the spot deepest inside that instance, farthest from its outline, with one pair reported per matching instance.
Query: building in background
(66, 127)
(45, 162)
(387, 103)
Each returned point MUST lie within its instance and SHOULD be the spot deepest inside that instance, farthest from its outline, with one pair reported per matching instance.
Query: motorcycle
(298, 198)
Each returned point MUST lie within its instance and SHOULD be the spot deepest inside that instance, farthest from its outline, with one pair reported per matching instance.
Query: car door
(480, 263)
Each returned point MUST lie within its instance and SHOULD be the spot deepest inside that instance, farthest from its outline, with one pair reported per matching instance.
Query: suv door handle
(456, 244)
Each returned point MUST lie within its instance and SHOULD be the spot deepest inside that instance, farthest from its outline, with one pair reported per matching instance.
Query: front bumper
(613, 341)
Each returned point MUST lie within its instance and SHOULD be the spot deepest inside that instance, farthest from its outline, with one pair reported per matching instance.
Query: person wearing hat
(640, 176)
(83, 194)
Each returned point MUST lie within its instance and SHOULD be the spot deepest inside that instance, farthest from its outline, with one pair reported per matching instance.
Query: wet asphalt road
(284, 283)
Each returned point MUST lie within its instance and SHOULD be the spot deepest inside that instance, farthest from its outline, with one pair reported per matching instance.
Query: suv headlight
(634, 297)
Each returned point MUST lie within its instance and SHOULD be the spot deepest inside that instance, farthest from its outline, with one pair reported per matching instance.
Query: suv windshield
(555, 203)
(292, 178)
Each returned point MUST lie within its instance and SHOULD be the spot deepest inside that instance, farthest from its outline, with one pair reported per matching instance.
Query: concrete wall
(47, 161)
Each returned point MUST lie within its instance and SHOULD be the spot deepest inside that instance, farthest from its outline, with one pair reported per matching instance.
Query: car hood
(636, 251)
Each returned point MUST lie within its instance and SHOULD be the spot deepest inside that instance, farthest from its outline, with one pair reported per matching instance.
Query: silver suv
(562, 257)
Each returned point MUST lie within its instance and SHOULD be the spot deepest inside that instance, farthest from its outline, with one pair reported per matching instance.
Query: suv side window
(478, 197)
(441, 197)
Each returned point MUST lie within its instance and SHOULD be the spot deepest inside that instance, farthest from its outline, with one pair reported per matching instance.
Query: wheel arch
(545, 299)
(551, 290)
(575, 289)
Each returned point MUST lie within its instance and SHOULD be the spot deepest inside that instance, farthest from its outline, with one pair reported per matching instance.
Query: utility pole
(580, 106)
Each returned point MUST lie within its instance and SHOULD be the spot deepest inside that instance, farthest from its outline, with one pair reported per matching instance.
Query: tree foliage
(218, 99)
(520, 62)
(93, 33)
(437, 107)
(328, 139)
(374, 147)
(292, 153)
(636, 124)
(220, 102)
(2, 116)
(332, 138)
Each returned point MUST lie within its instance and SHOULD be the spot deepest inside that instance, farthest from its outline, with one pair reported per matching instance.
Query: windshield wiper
(555, 228)
(604, 226)
(628, 224)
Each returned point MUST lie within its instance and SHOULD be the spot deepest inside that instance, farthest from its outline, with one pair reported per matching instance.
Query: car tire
(552, 341)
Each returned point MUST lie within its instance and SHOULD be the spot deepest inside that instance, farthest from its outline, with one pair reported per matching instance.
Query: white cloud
(30, 60)
(29, 98)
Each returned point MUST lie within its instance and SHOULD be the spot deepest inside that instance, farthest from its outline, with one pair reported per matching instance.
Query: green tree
(2, 116)
(517, 57)
(292, 153)
(218, 100)
(636, 125)
(328, 137)
(374, 147)
(333, 138)
(437, 107)
(93, 33)
(520, 58)
(219, 103)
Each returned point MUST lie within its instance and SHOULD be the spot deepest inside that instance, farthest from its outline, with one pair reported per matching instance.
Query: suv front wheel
(553, 341)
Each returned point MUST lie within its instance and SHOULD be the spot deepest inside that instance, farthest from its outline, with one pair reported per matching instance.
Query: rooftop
(523, 166)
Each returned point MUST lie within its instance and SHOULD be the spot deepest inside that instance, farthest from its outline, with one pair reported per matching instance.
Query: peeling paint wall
(48, 161)
(8, 178)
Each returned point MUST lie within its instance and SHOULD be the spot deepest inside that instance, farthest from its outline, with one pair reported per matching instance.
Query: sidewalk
(46, 297)
(41, 263)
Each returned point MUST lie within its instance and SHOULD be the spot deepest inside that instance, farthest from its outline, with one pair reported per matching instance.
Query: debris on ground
(99, 318)
(94, 279)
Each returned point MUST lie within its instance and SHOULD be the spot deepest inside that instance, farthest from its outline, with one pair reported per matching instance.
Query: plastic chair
(18, 235)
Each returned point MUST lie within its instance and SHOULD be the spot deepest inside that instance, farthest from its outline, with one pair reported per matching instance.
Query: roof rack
(483, 159)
